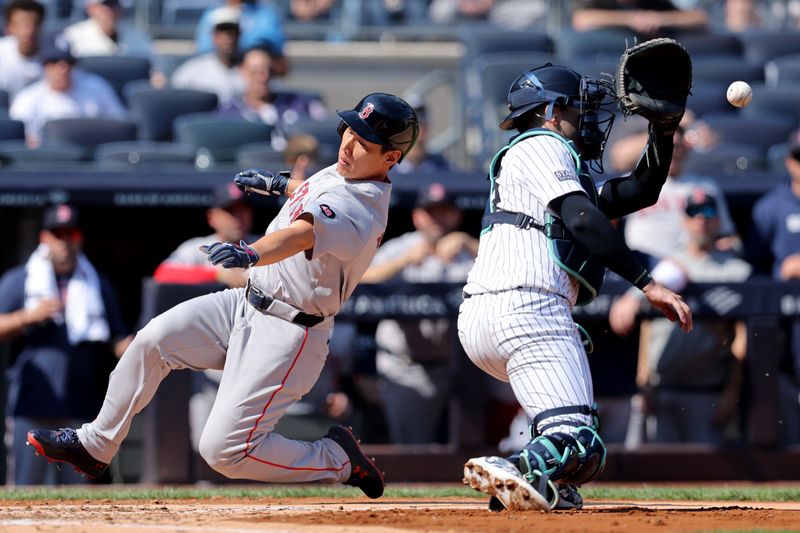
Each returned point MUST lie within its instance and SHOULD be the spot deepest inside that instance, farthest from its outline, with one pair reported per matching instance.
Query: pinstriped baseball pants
(529, 339)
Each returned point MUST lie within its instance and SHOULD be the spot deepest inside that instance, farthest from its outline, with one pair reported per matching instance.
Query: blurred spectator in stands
(741, 15)
(257, 24)
(259, 103)
(773, 246)
(64, 92)
(231, 218)
(419, 159)
(302, 155)
(392, 12)
(216, 71)
(414, 357)
(64, 324)
(690, 383)
(19, 48)
(104, 34)
(515, 14)
(658, 230)
(649, 18)
(308, 10)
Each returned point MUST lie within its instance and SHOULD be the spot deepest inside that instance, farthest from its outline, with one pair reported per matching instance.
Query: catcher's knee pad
(591, 453)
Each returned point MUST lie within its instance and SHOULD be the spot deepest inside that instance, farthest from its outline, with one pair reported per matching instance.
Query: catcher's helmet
(542, 85)
(383, 119)
(558, 85)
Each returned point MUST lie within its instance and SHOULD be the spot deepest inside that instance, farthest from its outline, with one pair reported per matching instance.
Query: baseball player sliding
(545, 242)
(270, 338)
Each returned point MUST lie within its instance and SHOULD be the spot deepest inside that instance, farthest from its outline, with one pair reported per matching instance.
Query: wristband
(643, 280)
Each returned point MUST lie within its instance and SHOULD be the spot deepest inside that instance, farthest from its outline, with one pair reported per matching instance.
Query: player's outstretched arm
(624, 195)
(669, 303)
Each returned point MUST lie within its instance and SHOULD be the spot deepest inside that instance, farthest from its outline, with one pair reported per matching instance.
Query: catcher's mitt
(653, 80)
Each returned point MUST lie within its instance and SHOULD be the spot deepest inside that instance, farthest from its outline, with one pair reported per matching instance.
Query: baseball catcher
(546, 240)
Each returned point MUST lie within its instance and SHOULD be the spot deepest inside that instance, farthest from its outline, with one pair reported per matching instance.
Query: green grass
(605, 492)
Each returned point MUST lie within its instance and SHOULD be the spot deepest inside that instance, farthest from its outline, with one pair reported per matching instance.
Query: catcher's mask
(383, 119)
(558, 85)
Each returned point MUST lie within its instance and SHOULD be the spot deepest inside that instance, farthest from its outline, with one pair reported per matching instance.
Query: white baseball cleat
(498, 477)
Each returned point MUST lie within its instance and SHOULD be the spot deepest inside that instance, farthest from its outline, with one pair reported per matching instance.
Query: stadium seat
(5, 101)
(486, 82)
(325, 131)
(761, 132)
(726, 158)
(783, 70)
(781, 101)
(479, 40)
(760, 46)
(218, 137)
(724, 70)
(117, 70)
(88, 132)
(260, 155)
(599, 44)
(155, 110)
(145, 152)
(708, 98)
(775, 157)
(713, 44)
(11, 129)
(17, 153)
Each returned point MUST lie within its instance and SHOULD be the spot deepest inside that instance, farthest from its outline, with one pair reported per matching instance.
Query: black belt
(268, 304)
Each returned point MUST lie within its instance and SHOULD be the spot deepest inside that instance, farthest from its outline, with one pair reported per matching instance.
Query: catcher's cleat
(499, 477)
(364, 474)
(63, 446)
(568, 498)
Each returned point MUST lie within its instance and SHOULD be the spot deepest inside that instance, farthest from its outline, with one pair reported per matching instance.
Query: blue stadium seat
(783, 70)
(4, 99)
(142, 153)
(325, 131)
(17, 153)
(217, 138)
(713, 44)
(11, 129)
(598, 44)
(781, 101)
(724, 70)
(708, 98)
(479, 40)
(155, 110)
(775, 157)
(761, 132)
(117, 70)
(761, 45)
(88, 132)
(260, 155)
(727, 158)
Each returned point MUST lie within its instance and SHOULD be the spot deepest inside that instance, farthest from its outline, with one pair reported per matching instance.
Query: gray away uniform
(269, 363)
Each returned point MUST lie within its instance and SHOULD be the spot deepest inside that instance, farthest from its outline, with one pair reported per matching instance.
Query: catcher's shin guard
(591, 456)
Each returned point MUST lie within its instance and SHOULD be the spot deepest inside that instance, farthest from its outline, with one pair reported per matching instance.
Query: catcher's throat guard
(568, 255)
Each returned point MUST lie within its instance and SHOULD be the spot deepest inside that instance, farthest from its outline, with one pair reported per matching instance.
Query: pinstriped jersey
(349, 221)
(534, 172)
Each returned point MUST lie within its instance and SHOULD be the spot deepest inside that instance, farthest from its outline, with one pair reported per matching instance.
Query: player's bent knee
(219, 455)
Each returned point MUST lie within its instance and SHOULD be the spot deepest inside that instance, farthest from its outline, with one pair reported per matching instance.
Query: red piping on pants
(264, 411)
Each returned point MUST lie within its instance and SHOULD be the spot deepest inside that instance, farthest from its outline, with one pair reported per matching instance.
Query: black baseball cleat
(364, 474)
(63, 446)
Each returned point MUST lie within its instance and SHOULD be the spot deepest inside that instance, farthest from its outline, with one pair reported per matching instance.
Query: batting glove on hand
(230, 255)
(262, 181)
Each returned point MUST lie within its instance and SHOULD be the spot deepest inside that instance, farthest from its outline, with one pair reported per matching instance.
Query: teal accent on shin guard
(591, 451)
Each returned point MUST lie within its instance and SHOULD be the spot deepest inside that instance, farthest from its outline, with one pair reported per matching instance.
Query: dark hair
(267, 47)
(534, 118)
(24, 5)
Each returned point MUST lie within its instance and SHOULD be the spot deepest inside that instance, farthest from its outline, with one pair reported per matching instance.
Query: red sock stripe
(264, 411)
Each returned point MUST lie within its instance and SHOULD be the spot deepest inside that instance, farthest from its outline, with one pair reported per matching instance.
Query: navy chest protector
(567, 254)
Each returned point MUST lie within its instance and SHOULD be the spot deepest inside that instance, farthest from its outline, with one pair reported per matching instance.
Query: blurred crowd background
(117, 96)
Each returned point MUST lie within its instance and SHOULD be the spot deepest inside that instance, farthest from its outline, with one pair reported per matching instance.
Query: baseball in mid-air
(739, 93)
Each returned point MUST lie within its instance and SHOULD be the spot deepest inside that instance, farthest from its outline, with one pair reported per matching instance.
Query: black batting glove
(262, 181)
(230, 255)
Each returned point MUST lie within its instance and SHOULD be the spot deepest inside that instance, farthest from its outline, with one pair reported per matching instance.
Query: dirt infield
(386, 515)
